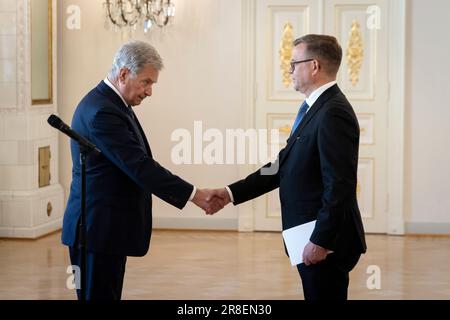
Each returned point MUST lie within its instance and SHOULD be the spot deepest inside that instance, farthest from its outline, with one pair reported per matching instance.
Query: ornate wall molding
(355, 52)
(286, 47)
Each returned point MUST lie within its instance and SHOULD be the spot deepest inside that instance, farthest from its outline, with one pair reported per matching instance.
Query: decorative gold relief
(281, 123)
(44, 167)
(286, 47)
(286, 129)
(49, 209)
(355, 53)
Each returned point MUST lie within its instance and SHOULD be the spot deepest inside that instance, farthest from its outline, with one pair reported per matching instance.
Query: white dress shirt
(109, 84)
(317, 93)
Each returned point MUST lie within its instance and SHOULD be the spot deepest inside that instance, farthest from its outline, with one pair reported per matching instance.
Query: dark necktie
(130, 111)
(136, 127)
(301, 113)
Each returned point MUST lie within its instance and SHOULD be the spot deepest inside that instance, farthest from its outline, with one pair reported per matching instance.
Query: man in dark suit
(317, 172)
(120, 181)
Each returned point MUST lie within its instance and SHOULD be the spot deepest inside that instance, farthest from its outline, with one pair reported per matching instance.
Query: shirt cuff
(230, 194)
(194, 191)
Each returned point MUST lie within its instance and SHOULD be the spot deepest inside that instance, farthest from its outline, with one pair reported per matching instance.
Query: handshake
(211, 200)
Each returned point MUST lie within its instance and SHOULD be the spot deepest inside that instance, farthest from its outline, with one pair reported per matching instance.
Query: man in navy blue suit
(120, 181)
(316, 172)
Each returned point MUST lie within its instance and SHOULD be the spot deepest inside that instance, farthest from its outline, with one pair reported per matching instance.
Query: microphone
(57, 123)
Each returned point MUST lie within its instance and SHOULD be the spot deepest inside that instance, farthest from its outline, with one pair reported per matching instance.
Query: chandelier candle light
(130, 13)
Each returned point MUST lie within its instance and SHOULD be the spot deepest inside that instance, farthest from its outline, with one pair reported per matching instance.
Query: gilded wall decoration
(286, 47)
(286, 129)
(355, 53)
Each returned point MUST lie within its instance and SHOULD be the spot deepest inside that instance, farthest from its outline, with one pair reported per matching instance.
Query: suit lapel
(141, 132)
(329, 93)
(138, 130)
(107, 91)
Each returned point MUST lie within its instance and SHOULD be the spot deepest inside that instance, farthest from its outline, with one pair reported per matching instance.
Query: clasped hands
(211, 200)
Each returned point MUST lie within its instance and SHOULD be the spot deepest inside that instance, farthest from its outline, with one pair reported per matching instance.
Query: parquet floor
(229, 265)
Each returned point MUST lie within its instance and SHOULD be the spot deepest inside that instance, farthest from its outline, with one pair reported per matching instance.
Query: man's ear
(316, 67)
(123, 74)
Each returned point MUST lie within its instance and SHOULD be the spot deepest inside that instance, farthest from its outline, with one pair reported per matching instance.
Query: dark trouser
(104, 274)
(328, 279)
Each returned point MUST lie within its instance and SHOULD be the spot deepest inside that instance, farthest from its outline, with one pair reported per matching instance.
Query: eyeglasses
(293, 63)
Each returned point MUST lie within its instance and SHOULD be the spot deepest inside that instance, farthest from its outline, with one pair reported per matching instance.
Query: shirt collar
(109, 84)
(317, 93)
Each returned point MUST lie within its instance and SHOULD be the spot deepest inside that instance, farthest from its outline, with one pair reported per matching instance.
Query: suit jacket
(317, 176)
(120, 181)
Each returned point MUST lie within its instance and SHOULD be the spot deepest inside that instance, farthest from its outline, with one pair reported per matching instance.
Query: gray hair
(134, 56)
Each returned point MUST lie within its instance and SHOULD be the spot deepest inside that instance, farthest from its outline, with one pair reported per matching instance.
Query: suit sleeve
(256, 184)
(338, 143)
(111, 134)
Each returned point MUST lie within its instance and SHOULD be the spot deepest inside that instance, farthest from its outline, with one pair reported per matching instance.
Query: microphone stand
(86, 147)
(82, 226)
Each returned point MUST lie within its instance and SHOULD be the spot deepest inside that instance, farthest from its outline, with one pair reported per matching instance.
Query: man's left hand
(313, 254)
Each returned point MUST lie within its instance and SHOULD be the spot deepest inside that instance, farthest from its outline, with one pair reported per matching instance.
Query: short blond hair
(324, 48)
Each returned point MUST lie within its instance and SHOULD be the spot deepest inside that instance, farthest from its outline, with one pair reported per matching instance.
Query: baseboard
(428, 228)
(158, 223)
(31, 233)
(195, 223)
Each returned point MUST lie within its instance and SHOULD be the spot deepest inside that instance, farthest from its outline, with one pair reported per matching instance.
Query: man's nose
(148, 91)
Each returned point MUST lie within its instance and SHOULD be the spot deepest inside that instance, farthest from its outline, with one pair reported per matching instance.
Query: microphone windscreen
(54, 121)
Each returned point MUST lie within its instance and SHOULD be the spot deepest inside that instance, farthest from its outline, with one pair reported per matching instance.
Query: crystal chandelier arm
(156, 14)
(123, 13)
(138, 15)
(130, 22)
(114, 21)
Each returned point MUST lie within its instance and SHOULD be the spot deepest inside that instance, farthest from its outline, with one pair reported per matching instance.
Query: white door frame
(396, 110)
(396, 117)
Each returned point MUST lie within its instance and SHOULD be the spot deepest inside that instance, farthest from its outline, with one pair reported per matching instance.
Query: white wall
(8, 54)
(201, 81)
(427, 185)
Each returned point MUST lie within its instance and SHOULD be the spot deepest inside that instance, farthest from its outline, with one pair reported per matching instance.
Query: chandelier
(130, 13)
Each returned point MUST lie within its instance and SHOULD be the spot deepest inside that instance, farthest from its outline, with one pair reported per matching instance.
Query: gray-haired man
(121, 181)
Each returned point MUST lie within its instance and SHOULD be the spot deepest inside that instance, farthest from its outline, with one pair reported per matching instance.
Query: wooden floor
(229, 265)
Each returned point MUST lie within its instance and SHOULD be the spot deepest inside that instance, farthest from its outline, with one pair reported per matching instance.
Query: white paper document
(296, 239)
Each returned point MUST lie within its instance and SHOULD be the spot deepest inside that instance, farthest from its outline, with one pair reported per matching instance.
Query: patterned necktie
(300, 115)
